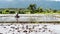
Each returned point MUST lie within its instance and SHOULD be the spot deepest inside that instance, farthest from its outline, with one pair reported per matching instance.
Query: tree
(32, 7)
(40, 10)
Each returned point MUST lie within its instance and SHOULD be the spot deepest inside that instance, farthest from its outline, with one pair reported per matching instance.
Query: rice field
(29, 28)
(29, 18)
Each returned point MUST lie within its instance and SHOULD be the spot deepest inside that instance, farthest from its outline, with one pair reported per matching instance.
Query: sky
(26, 0)
(24, 3)
(54, 0)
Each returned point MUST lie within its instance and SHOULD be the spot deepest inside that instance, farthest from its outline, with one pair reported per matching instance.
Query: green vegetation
(11, 12)
(5, 12)
(31, 9)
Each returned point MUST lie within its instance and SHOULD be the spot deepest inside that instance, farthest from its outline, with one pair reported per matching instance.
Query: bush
(27, 11)
(5, 12)
(54, 11)
(21, 12)
(40, 10)
(0, 12)
(11, 12)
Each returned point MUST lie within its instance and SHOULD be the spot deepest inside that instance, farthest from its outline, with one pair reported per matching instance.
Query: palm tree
(32, 7)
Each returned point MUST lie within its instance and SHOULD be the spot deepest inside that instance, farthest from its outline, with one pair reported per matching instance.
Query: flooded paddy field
(29, 28)
(29, 18)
